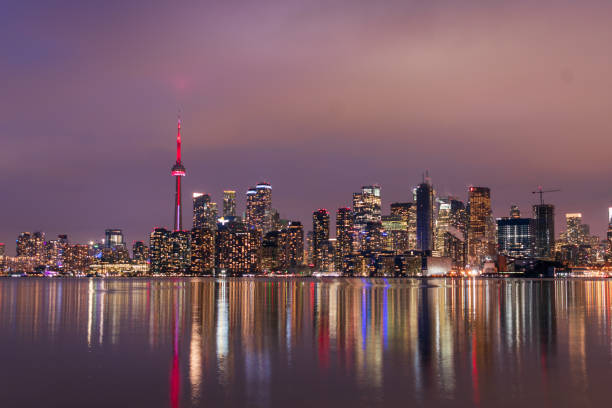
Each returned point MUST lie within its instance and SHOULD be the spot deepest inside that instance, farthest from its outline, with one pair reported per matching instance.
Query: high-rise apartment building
(229, 203)
(204, 212)
(160, 247)
(202, 251)
(320, 237)
(259, 208)
(345, 231)
(238, 249)
(140, 252)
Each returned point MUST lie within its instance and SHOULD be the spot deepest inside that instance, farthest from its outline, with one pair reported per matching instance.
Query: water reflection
(313, 342)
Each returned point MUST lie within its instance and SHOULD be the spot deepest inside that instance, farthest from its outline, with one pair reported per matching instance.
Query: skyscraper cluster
(427, 234)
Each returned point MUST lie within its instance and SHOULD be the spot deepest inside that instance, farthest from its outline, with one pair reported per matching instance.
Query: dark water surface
(304, 343)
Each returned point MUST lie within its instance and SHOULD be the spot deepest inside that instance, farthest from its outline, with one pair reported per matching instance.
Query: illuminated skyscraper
(202, 251)
(424, 216)
(140, 252)
(450, 230)
(544, 215)
(178, 171)
(320, 237)
(160, 248)
(480, 231)
(515, 235)
(293, 245)
(204, 212)
(32, 246)
(345, 232)
(259, 208)
(575, 233)
(408, 213)
(238, 249)
(180, 249)
(367, 206)
(113, 238)
(77, 259)
(229, 203)
(395, 235)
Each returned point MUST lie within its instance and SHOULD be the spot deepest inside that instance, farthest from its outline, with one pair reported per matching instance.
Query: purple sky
(316, 97)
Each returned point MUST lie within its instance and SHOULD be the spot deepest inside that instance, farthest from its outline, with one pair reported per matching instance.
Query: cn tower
(178, 170)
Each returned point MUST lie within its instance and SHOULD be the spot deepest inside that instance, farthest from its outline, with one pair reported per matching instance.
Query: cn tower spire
(178, 171)
(178, 141)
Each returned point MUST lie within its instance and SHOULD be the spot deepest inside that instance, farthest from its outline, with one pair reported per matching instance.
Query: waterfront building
(238, 249)
(424, 216)
(320, 237)
(450, 228)
(544, 215)
(180, 258)
(345, 232)
(292, 246)
(140, 252)
(178, 171)
(77, 259)
(270, 252)
(229, 203)
(204, 212)
(259, 208)
(202, 251)
(515, 235)
(159, 250)
(480, 228)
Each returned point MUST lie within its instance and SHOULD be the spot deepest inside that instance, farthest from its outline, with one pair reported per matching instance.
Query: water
(304, 343)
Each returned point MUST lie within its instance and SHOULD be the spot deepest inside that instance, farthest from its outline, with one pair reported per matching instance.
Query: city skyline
(376, 94)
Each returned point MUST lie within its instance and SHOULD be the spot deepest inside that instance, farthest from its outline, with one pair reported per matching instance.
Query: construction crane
(541, 193)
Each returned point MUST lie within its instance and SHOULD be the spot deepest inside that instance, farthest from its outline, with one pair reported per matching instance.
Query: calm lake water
(305, 343)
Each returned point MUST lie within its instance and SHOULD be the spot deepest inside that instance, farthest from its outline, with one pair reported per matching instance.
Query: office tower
(54, 253)
(229, 203)
(178, 171)
(204, 212)
(259, 207)
(408, 213)
(77, 259)
(450, 230)
(113, 238)
(372, 237)
(480, 231)
(309, 249)
(424, 216)
(366, 206)
(202, 251)
(575, 231)
(238, 249)
(140, 252)
(345, 232)
(515, 235)
(270, 251)
(159, 250)
(544, 215)
(180, 258)
(395, 233)
(320, 237)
